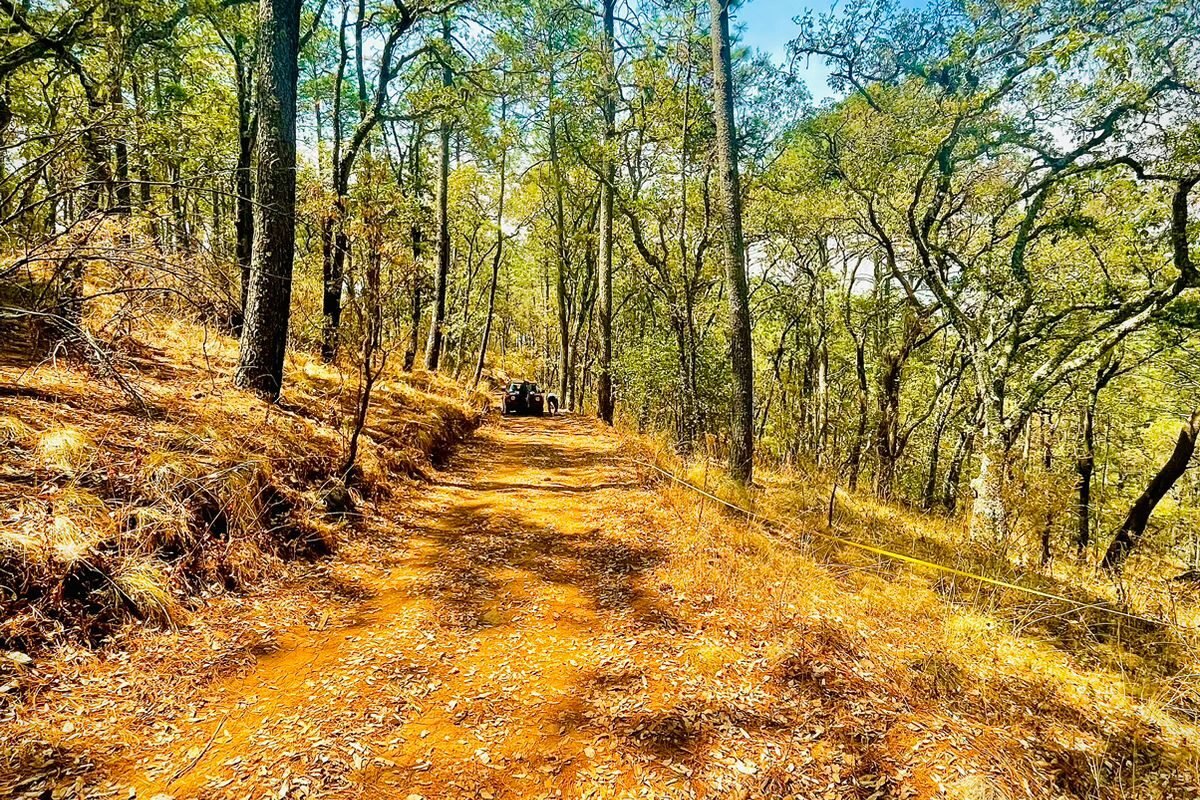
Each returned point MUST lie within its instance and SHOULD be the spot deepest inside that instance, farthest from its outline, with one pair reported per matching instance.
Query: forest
(964, 278)
(960, 279)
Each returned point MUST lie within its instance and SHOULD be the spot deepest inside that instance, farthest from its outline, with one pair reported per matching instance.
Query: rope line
(781, 526)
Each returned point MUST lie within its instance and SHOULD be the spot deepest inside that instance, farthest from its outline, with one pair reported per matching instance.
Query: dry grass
(109, 512)
(597, 632)
(925, 675)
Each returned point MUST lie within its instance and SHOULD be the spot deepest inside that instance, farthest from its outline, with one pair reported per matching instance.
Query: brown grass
(109, 512)
(1030, 697)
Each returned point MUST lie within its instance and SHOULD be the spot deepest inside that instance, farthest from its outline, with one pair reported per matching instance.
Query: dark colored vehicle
(524, 397)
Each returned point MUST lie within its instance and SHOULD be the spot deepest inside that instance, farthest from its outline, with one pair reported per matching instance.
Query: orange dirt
(509, 608)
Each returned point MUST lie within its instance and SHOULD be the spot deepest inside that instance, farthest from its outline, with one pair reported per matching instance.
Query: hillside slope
(130, 491)
(552, 619)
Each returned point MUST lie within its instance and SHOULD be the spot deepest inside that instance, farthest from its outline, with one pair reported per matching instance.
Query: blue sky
(767, 25)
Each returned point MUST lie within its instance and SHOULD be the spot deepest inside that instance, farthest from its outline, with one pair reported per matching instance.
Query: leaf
(19, 658)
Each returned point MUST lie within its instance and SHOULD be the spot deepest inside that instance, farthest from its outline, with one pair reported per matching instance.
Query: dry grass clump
(109, 511)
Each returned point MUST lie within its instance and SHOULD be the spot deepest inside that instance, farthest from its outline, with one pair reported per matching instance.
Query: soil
(509, 606)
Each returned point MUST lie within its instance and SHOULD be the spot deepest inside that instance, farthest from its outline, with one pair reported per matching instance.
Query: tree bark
(604, 387)
(1085, 465)
(887, 431)
(244, 215)
(935, 449)
(418, 251)
(433, 346)
(333, 237)
(989, 514)
(117, 55)
(1048, 427)
(953, 481)
(1134, 526)
(268, 302)
(741, 451)
(499, 254)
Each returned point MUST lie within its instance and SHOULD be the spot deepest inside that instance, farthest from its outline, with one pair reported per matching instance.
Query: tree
(433, 346)
(741, 452)
(371, 111)
(604, 385)
(961, 121)
(1134, 526)
(498, 253)
(268, 301)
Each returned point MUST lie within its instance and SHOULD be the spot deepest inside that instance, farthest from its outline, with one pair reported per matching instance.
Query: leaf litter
(544, 622)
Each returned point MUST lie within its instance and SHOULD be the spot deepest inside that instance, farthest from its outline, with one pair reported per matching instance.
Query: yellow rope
(880, 551)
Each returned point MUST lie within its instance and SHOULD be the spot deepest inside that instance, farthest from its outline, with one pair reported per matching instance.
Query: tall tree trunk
(5, 119)
(433, 347)
(244, 215)
(1139, 514)
(143, 163)
(418, 251)
(1048, 427)
(499, 254)
(117, 57)
(414, 319)
(741, 451)
(268, 302)
(604, 404)
(333, 236)
(689, 424)
(564, 316)
(887, 431)
(939, 429)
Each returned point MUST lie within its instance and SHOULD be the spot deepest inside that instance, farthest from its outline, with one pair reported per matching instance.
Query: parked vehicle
(524, 397)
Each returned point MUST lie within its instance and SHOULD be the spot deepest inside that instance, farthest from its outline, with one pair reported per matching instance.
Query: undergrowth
(931, 684)
(113, 510)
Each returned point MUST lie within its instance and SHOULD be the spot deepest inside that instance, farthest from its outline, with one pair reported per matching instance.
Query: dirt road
(511, 642)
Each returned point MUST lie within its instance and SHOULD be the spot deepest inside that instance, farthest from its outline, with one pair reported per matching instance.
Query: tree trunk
(268, 302)
(962, 450)
(741, 451)
(334, 246)
(689, 424)
(564, 316)
(244, 224)
(604, 404)
(989, 516)
(410, 354)
(117, 58)
(1139, 514)
(935, 449)
(418, 251)
(433, 346)
(1085, 466)
(333, 237)
(854, 462)
(499, 254)
(887, 431)
(1048, 426)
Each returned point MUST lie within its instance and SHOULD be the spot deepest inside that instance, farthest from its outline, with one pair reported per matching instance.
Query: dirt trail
(502, 621)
